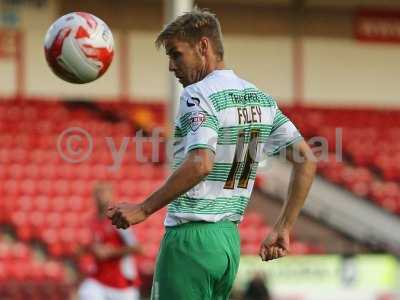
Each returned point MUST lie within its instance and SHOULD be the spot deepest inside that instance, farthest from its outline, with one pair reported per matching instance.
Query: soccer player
(115, 276)
(223, 127)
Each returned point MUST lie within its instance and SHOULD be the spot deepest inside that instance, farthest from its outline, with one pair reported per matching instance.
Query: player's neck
(215, 65)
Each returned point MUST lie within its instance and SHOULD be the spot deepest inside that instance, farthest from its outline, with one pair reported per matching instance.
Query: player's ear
(204, 44)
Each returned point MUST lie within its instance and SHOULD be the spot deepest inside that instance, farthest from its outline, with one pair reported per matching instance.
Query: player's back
(234, 119)
(246, 116)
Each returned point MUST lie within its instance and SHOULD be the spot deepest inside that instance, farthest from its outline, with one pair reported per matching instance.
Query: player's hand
(125, 214)
(276, 245)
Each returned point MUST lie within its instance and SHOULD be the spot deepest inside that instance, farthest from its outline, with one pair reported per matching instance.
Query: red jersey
(120, 272)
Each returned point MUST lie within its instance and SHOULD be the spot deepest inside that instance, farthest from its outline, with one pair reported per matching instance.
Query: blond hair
(191, 27)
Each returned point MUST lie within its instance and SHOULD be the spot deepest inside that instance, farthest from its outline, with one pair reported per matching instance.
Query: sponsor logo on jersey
(192, 101)
(196, 119)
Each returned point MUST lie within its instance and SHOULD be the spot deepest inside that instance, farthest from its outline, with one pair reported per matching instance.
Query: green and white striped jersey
(240, 124)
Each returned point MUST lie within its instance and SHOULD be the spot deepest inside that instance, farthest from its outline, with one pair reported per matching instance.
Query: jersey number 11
(248, 161)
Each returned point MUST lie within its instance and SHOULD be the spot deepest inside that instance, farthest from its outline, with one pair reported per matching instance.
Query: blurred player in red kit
(115, 276)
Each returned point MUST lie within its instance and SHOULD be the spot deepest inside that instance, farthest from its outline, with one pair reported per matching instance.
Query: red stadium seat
(365, 146)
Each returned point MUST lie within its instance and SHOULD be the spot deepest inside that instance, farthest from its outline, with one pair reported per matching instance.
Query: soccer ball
(79, 47)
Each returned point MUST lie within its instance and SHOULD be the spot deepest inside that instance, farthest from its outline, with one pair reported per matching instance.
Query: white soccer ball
(79, 47)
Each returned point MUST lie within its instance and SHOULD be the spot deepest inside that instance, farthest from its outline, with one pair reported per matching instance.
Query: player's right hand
(276, 245)
(124, 214)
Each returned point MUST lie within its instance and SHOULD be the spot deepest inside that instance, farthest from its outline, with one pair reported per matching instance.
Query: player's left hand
(125, 214)
(276, 245)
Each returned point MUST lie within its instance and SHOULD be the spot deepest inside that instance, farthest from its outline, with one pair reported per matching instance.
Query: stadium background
(330, 64)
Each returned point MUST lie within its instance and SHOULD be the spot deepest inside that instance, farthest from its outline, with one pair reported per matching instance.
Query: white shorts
(91, 289)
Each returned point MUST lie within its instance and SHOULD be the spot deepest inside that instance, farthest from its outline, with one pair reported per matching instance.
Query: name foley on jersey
(250, 114)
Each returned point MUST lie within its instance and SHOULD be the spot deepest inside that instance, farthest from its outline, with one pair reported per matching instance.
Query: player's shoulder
(198, 94)
(263, 96)
(199, 89)
(192, 91)
(251, 88)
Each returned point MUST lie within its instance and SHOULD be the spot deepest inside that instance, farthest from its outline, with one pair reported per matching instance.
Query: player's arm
(131, 246)
(285, 136)
(197, 165)
(304, 166)
(303, 172)
(104, 252)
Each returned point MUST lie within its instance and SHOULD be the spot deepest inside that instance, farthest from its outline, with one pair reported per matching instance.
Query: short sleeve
(283, 134)
(197, 121)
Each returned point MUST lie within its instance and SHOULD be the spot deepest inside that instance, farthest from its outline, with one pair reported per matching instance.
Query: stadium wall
(338, 69)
